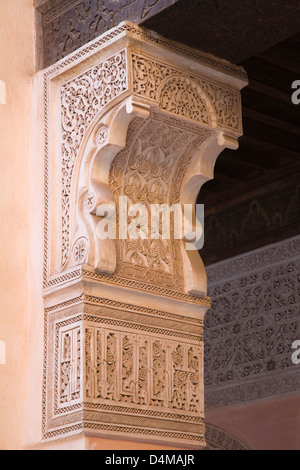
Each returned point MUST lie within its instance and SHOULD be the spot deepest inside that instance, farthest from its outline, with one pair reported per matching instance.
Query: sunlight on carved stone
(2, 353)
(2, 92)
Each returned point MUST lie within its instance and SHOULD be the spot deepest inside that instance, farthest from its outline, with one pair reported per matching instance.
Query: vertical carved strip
(193, 391)
(128, 369)
(111, 366)
(99, 363)
(159, 373)
(70, 366)
(65, 369)
(88, 363)
(143, 371)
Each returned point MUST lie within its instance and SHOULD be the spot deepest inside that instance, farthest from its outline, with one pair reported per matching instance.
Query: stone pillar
(130, 114)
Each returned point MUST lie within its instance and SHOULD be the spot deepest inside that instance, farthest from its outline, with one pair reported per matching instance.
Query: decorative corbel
(129, 115)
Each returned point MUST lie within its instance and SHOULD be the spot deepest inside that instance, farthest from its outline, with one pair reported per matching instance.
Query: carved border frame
(85, 414)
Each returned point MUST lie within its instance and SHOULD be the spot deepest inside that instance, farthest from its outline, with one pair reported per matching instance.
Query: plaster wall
(267, 425)
(16, 70)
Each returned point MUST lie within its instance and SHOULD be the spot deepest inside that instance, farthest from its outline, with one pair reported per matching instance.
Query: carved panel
(142, 370)
(113, 358)
(252, 325)
(165, 87)
(256, 222)
(160, 82)
(81, 100)
(70, 365)
(150, 170)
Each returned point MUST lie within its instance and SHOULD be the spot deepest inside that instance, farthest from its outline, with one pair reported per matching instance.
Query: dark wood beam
(267, 140)
(283, 55)
(269, 91)
(275, 75)
(266, 119)
(247, 159)
(246, 189)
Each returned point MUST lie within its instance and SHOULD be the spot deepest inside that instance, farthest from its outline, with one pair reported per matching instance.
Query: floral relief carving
(127, 367)
(111, 361)
(220, 104)
(168, 88)
(159, 373)
(129, 126)
(80, 250)
(102, 136)
(183, 99)
(143, 373)
(90, 202)
(81, 99)
(150, 170)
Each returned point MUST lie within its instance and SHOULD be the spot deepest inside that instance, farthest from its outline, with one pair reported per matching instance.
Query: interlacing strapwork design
(252, 325)
(142, 370)
(182, 99)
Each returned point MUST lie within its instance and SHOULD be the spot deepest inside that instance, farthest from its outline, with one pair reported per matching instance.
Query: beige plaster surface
(268, 425)
(109, 444)
(82, 442)
(16, 70)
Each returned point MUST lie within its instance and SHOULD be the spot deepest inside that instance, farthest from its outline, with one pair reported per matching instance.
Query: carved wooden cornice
(67, 25)
(234, 30)
(130, 114)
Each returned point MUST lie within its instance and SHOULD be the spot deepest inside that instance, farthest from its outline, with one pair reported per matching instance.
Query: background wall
(251, 383)
(16, 70)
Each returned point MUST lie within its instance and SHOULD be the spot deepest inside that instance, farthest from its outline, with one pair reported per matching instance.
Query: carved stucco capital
(131, 114)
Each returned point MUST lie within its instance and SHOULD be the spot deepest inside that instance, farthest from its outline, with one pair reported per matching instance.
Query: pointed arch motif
(184, 97)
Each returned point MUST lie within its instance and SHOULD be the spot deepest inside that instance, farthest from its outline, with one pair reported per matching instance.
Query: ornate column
(130, 114)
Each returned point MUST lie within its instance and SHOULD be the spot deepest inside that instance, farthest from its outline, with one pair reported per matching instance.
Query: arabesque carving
(124, 316)
(252, 325)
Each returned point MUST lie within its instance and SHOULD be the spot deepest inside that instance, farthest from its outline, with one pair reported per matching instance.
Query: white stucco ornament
(129, 115)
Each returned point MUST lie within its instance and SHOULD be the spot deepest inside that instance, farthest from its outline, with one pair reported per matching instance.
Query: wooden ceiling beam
(269, 91)
(281, 124)
(277, 147)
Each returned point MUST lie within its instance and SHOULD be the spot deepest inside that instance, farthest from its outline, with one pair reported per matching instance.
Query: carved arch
(105, 137)
(219, 439)
(113, 135)
(192, 162)
(106, 134)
